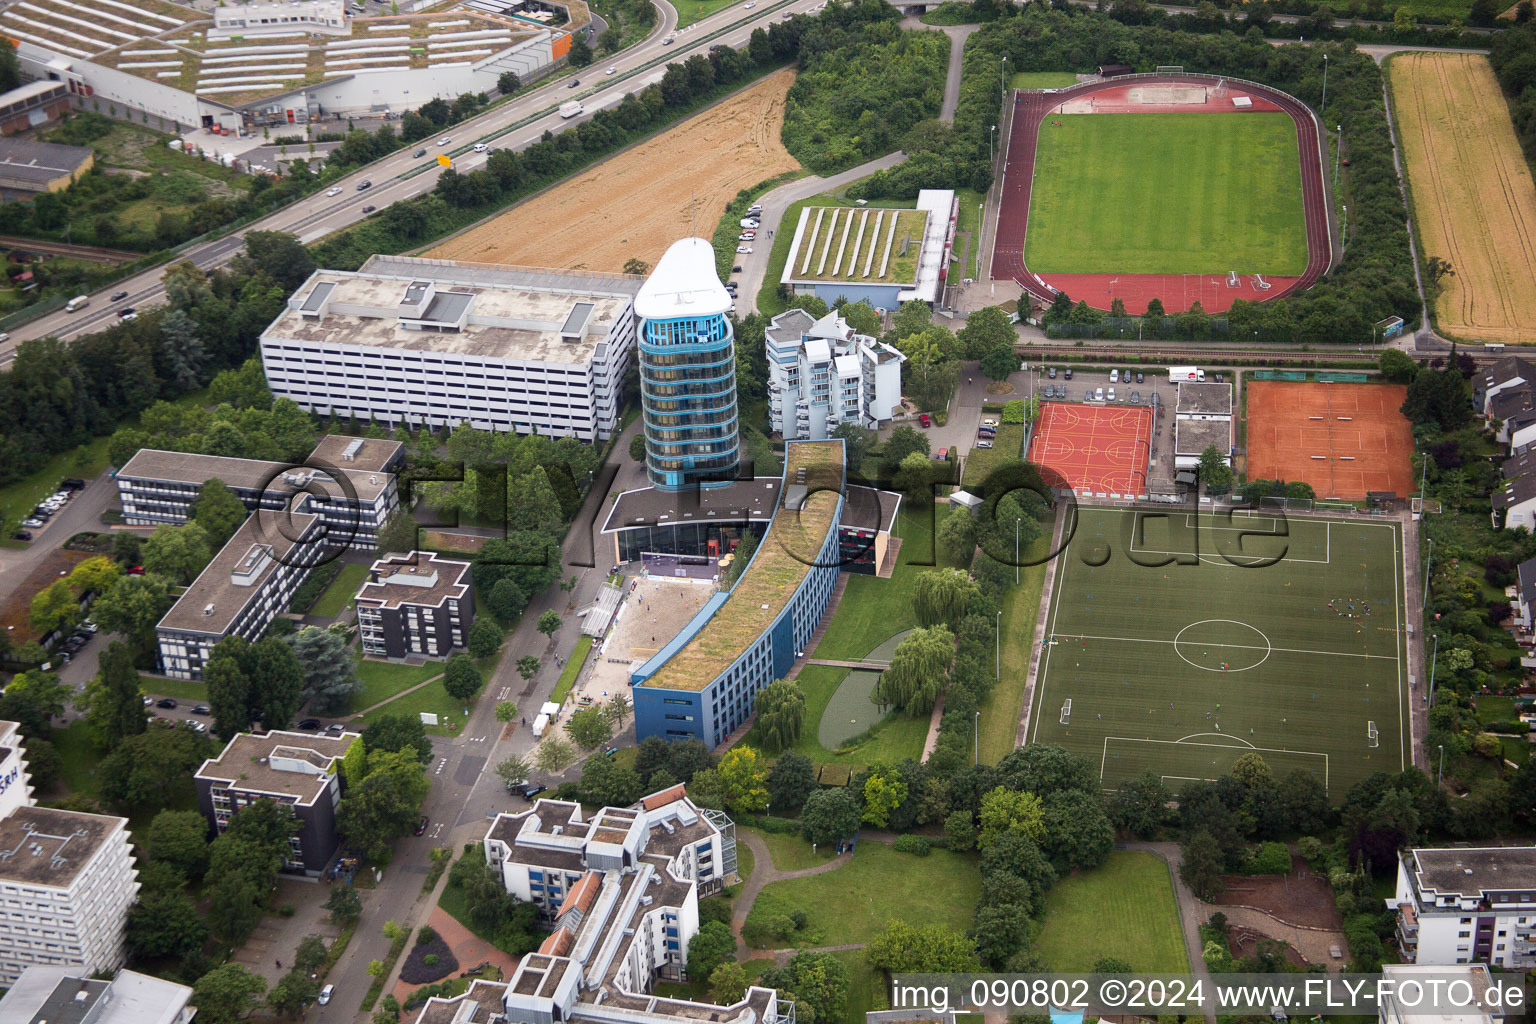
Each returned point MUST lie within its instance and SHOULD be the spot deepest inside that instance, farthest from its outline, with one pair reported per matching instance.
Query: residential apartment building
(68, 995)
(1426, 1004)
(246, 585)
(66, 878)
(687, 356)
(415, 603)
(438, 342)
(1463, 906)
(300, 769)
(822, 373)
(351, 481)
(621, 887)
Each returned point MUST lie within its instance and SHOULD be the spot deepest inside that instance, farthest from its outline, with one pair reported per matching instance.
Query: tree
(180, 839)
(330, 671)
(580, 54)
(1397, 366)
(904, 440)
(1435, 271)
(637, 447)
(141, 769)
(956, 536)
(508, 83)
(1140, 805)
(986, 330)
(960, 831)
(712, 945)
(617, 708)
(93, 576)
(398, 731)
(506, 710)
(554, 756)
(462, 678)
(856, 441)
(1004, 810)
(485, 638)
(590, 727)
(1251, 770)
(606, 783)
(914, 477)
(164, 924)
(33, 700)
(178, 552)
(904, 948)
(817, 981)
(1201, 866)
(943, 595)
(744, 780)
(506, 600)
(344, 904)
(218, 512)
(919, 669)
(1001, 361)
(293, 991)
(132, 606)
(780, 709)
(398, 533)
(830, 815)
(226, 994)
(884, 791)
(727, 983)
(791, 780)
(386, 804)
(636, 266)
(277, 682)
(549, 623)
(127, 548)
(281, 256)
(512, 770)
(746, 547)
(1214, 471)
(112, 705)
(55, 607)
(1077, 831)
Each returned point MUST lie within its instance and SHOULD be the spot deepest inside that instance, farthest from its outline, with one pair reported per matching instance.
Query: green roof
(869, 243)
(786, 554)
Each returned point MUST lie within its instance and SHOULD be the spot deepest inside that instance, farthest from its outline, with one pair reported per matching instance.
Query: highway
(515, 124)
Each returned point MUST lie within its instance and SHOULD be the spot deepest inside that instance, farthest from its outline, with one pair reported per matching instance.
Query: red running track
(1177, 291)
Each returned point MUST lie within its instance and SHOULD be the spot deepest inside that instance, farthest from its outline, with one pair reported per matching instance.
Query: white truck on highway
(571, 109)
(1178, 373)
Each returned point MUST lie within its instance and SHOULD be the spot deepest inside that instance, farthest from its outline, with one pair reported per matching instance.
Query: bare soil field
(1301, 898)
(639, 202)
(1473, 197)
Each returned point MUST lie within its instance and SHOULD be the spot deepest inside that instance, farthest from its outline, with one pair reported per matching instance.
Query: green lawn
(746, 861)
(1134, 890)
(433, 698)
(1041, 79)
(572, 669)
(341, 591)
(854, 902)
(383, 679)
(790, 852)
(898, 735)
(691, 11)
(1167, 194)
(1007, 446)
(1180, 667)
(456, 906)
(181, 689)
(78, 759)
(866, 986)
(1004, 706)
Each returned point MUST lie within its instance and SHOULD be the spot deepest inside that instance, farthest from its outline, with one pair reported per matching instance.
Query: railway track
(1198, 356)
(92, 253)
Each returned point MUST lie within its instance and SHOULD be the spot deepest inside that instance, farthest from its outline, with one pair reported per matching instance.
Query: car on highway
(444, 141)
(481, 147)
(334, 191)
(127, 313)
(310, 725)
(668, 41)
(421, 826)
(749, 5)
(165, 703)
(365, 183)
(369, 209)
(611, 71)
(573, 83)
(744, 248)
(419, 152)
(119, 296)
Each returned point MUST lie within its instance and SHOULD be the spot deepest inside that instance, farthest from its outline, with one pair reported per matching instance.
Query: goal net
(1170, 69)
(1066, 712)
(1372, 737)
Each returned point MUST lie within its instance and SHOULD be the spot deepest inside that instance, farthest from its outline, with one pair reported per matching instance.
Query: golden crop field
(1473, 196)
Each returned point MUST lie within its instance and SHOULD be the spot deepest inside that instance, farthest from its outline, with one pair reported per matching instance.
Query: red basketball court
(1099, 450)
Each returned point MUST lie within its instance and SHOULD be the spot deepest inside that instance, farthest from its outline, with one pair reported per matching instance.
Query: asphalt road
(320, 215)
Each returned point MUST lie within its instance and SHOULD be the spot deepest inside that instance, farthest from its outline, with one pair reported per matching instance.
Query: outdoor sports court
(1178, 641)
(1343, 439)
(1099, 450)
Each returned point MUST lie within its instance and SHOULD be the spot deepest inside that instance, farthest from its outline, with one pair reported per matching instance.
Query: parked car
(149, 702)
(747, 236)
(1051, 373)
(335, 729)
(1220, 379)
(983, 443)
(1114, 376)
(32, 524)
(989, 421)
(1067, 373)
(325, 994)
(1111, 396)
(1140, 377)
(744, 248)
(22, 535)
(421, 826)
(529, 792)
(943, 455)
(88, 626)
(310, 724)
(73, 483)
(1098, 394)
(165, 703)
(202, 709)
(751, 222)
(135, 570)
(924, 419)
(1135, 397)
(334, 191)
(196, 726)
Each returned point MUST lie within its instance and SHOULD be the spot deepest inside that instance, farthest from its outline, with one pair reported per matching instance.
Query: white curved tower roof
(684, 283)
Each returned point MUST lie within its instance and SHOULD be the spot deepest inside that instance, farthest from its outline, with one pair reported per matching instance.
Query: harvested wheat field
(637, 203)
(1472, 193)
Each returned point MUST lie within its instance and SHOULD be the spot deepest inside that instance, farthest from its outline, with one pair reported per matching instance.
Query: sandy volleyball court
(637, 203)
(1472, 193)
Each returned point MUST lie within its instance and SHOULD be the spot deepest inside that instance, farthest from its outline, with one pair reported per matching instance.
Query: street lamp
(1338, 147)
(1324, 105)
(1016, 521)
(976, 739)
(1433, 661)
(1002, 79)
(991, 138)
(997, 670)
(1440, 775)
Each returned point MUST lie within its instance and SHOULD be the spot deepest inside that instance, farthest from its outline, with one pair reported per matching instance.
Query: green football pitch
(1167, 194)
(1178, 641)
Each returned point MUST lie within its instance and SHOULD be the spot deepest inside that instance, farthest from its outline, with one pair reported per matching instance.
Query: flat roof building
(1459, 905)
(438, 342)
(300, 769)
(68, 995)
(822, 373)
(874, 254)
(1202, 419)
(33, 105)
(28, 167)
(415, 604)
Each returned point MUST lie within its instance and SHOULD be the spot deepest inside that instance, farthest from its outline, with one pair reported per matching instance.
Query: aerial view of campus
(767, 511)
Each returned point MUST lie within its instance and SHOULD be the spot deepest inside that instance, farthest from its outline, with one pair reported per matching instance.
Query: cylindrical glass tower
(687, 357)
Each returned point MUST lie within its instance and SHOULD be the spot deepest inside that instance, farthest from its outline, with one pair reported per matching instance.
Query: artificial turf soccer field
(1178, 669)
(1167, 193)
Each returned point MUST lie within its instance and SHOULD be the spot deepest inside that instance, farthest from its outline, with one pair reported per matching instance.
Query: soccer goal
(1372, 737)
(1066, 712)
(1170, 69)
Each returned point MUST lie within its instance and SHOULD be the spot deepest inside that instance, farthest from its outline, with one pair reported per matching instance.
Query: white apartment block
(822, 373)
(621, 888)
(246, 585)
(350, 480)
(328, 17)
(69, 995)
(440, 342)
(1467, 906)
(1472, 980)
(66, 878)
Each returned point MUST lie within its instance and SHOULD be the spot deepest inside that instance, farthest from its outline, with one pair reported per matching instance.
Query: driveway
(81, 514)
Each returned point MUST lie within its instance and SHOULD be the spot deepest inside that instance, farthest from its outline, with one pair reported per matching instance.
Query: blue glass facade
(688, 394)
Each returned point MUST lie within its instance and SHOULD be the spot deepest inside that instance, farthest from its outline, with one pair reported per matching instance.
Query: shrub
(778, 826)
(425, 934)
(1015, 411)
(912, 844)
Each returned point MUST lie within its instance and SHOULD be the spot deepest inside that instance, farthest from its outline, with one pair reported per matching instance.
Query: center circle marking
(1245, 649)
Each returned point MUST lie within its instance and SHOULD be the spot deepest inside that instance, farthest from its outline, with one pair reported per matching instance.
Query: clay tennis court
(1097, 449)
(1343, 439)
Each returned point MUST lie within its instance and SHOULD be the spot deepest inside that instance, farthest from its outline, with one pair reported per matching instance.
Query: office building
(687, 370)
(437, 342)
(66, 878)
(621, 889)
(300, 769)
(246, 585)
(1467, 905)
(350, 480)
(702, 683)
(68, 995)
(416, 603)
(822, 373)
(874, 254)
(27, 167)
